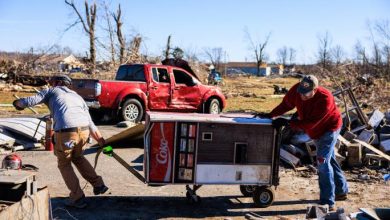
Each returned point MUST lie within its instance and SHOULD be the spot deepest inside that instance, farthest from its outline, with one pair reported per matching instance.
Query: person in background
(320, 118)
(72, 126)
(214, 76)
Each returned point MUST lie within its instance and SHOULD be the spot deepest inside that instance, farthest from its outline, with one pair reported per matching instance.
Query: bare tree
(110, 31)
(190, 54)
(168, 47)
(292, 55)
(382, 29)
(258, 48)
(361, 54)
(376, 50)
(89, 27)
(286, 55)
(215, 56)
(338, 54)
(282, 54)
(121, 39)
(324, 55)
(134, 53)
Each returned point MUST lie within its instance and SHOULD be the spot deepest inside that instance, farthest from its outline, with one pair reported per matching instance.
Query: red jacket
(316, 115)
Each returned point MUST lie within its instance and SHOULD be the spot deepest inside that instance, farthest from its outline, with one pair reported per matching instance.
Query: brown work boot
(341, 197)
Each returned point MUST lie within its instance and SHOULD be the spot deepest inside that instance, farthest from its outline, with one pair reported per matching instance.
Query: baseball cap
(66, 79)
(307, 84)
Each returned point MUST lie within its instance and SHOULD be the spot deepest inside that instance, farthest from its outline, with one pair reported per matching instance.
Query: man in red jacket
(320, 118)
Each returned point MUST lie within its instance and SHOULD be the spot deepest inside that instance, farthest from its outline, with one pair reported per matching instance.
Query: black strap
(122, 162)
(29, 167)
(100, 149)
(128, 167)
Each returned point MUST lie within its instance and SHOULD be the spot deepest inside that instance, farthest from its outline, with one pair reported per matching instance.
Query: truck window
(163, 75)
(131, 73)
(160, 75)
(155, 74)
(182, 77)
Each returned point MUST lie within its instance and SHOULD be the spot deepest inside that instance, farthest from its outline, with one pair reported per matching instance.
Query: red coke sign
(161, 152)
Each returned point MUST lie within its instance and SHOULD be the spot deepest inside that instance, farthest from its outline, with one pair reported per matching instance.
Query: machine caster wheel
(263, 196)
(247, 190)
(193, 198)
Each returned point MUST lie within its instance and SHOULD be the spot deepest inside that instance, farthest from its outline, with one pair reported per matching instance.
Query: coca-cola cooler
(198, 149)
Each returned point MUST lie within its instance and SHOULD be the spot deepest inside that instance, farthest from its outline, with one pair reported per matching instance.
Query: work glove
(17, 107)
(263, 115)
(280, 122)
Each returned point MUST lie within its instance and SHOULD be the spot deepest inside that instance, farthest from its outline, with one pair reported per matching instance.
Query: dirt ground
(128, 198)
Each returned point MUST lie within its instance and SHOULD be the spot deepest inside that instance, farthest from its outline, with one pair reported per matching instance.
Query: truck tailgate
(86, 88)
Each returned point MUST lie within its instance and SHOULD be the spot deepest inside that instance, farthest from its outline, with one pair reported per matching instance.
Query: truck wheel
(247, 190)
(132, 110)
(263, 196)
(213, 107)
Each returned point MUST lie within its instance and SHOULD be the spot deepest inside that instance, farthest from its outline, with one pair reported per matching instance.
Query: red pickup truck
(147, 87)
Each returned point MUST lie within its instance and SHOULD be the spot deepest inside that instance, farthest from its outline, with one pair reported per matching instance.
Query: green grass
(260, 87)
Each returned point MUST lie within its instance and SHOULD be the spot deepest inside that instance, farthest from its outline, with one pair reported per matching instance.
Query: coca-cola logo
(163, 150)
(162, 156)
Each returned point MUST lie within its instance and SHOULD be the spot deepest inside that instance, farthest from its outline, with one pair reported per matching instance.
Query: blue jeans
(330, 176)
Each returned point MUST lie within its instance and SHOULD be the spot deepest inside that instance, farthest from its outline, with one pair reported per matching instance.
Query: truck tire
(213, 107)
(132, 110)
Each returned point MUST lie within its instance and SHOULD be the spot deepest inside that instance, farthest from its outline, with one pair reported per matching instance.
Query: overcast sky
(198, 24)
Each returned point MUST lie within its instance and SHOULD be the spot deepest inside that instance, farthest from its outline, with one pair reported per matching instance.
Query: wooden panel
(37, 207)
(221, 148)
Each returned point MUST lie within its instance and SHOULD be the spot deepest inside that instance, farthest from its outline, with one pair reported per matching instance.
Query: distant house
(277, 69)
(60, 63)
(249, 68)
(289, 69)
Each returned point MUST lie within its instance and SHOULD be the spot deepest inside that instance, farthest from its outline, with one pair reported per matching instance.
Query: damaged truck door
(185, 93)
(160, 95)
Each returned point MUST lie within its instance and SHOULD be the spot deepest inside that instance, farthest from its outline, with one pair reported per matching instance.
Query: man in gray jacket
(72, 126)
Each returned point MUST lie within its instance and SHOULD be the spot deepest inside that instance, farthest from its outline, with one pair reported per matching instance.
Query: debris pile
(21, 133)
(364, 141)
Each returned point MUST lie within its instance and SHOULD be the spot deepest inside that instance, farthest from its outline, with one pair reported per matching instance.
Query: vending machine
(198, 149)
